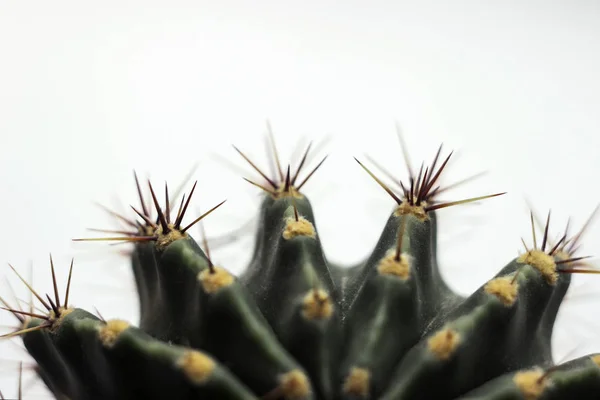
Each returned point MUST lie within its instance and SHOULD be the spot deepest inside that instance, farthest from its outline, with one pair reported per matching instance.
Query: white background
(89, 92)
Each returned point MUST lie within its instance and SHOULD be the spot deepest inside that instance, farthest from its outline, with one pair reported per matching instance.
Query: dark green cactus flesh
(292, 326)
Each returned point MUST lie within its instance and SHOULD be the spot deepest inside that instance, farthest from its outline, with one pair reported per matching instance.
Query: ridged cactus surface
(294, 326)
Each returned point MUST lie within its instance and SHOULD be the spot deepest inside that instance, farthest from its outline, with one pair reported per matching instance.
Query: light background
(88, 92)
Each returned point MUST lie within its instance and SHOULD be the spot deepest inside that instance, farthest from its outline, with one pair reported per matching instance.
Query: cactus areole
(293, 326)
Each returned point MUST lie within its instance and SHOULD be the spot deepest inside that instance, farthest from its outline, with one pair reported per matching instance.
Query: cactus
(294, 326)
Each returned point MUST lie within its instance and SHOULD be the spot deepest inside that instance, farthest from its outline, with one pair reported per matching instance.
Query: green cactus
(293, 326)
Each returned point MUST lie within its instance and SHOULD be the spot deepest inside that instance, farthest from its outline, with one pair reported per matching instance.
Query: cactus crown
(294, 326)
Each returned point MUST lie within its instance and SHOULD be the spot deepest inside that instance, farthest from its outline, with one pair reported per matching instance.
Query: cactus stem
(294, 326)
